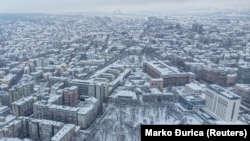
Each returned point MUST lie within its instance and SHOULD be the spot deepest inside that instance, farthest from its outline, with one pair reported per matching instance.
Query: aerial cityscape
(100, 76)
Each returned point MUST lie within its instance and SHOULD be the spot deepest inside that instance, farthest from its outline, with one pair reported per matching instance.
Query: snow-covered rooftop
(23, 100)
(162, 68)
(244, 86)
(194, 86)
(223, 92)
(125, 93)
(64, 131)
(62, 107)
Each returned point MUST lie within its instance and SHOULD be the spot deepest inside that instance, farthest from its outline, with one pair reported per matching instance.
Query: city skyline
(102, 76)
(65, 6)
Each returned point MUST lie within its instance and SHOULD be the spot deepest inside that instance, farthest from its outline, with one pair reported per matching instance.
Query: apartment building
(171, 76)
(222, 103)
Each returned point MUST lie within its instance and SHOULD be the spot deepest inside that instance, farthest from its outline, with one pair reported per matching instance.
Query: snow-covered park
(122, 122)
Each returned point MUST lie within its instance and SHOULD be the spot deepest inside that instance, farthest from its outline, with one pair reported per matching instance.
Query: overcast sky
(86, 5)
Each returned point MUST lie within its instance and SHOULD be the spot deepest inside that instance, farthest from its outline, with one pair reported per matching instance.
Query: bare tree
(137, 132)
(119, 132)
(132, 112)
(104, 129)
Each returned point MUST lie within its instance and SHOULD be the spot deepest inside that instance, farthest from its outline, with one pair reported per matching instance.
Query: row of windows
(221, 111)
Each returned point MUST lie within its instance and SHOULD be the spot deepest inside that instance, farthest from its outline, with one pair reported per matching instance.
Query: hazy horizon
(60, 6)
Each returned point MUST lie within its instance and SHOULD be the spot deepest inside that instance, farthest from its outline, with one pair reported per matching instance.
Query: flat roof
(62, 107)
(224, 92)
(194, 86)
(247, 66)
(8, 119)
(86, 109)
(53, 97)
(48, 122)
(62, 132)
(244, 86)
(125, 93)
(23, 100)
(3, 108)
(162, 68)
(156, 79)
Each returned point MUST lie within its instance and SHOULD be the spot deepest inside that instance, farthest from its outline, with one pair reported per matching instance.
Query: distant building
(23, 106)
(3, 62)
(59, 113)
(156, 83)
(113, 75)
(8, 80)
(227, 42)
(82, 115)
(40, 129)
(21, 90)
(67, 133)
(222, 103)
(4, 98)
(41, 107)
(64, 114)
(157, 96)
(56, 86)
(197, 27)
(194, 67)
(95, 88)
(124, 97)
(70, 96)
(99, 91)
(243, 90)
(190, 97)
(88, 113)
(194, 89)
(171, 76)
(53, 80)
(12, 129)
(135, 50)
(243, 74)
(5, 120)
(217, 76)
(37, 75)
(154, 20)
(41, 110)
(85, 87)
(4, 111)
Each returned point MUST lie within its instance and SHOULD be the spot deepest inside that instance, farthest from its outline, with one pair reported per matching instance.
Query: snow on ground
(14, 139)
(123, 121)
